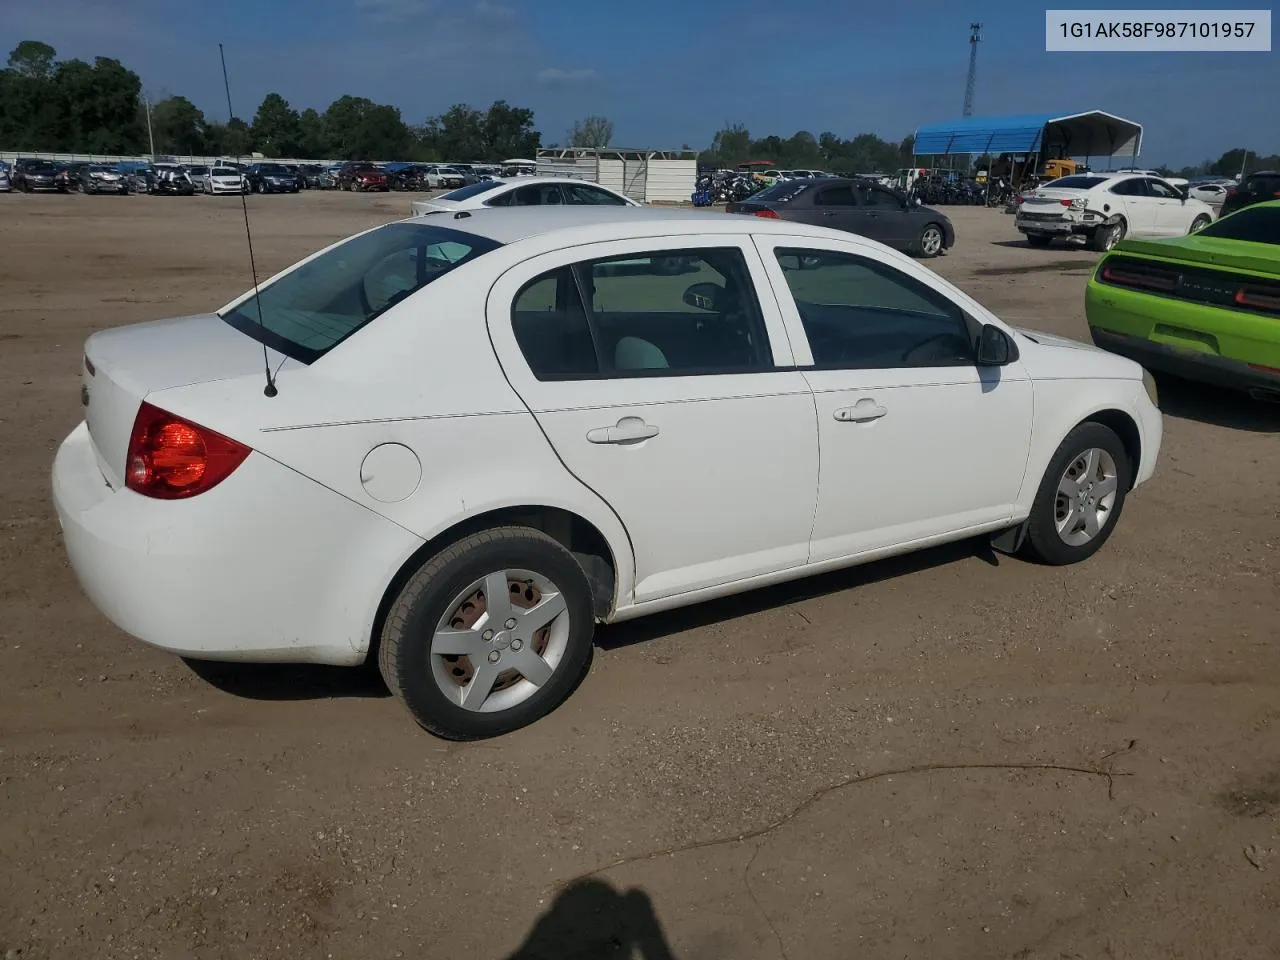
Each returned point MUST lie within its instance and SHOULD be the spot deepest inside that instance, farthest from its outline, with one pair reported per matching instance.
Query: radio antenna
(270, 389)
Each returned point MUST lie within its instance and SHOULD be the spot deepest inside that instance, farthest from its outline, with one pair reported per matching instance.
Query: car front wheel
(930, 242)
(1080, 497)
(489, 635)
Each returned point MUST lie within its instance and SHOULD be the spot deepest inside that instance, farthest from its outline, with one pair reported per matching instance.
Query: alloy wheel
(1086, 496)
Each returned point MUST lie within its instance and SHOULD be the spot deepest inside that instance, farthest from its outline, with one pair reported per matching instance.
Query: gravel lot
(949, 755)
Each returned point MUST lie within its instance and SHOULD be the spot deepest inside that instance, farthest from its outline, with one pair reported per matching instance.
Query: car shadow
(591, 919)
(643, 629)
(1216, 406)
(290, 681)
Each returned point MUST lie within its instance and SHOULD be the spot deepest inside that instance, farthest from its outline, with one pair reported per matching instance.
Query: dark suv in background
(29, 175)
(271, 178)
(1255, 188)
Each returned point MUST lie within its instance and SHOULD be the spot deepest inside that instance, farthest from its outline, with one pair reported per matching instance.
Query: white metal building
(651, 176)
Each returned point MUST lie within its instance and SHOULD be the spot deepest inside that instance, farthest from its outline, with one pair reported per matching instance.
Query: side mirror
(703, 296)
(995, 347)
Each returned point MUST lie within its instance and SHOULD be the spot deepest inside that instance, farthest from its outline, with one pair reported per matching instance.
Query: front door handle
(626, 430)
(864, 411)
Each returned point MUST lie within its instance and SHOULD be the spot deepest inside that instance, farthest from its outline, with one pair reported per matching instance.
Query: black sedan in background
(271, 178)
(1257, 187)
(859, 206)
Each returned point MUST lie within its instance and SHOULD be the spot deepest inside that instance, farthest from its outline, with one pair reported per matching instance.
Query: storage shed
(1093, 133)
(651, 176)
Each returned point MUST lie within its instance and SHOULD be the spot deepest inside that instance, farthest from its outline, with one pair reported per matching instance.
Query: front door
(898, 227)
(916, 440)
(665, 384)
(1169, 208)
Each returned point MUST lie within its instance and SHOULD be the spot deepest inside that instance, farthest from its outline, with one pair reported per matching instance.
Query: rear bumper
(1202, 367)
(266, 566)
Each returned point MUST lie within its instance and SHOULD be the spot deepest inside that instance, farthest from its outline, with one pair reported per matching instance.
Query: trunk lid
(423, 207)
(123, 365)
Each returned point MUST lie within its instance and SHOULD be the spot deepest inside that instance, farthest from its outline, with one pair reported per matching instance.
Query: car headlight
(1149, 382)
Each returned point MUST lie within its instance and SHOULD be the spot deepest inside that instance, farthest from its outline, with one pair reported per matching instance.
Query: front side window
(662, 313)
(1162, 190)
(879, 197)
(313, 308)
(865, 315)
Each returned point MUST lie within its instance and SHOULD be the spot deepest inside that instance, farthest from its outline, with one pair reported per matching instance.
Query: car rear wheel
(1108, 235)
(489, 635)
(1039, 239)
(1080, 497)
(930, 242)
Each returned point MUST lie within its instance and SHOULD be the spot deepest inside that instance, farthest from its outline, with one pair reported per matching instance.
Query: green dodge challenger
(1205, 306)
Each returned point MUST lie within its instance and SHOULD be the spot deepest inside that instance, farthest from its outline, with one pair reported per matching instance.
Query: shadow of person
(591, 920)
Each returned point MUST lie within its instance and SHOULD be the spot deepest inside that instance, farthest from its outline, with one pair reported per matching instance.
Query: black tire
(1199, 223)
(1039, 239)
(1106, 237)
(404, 654)
(1043, 542)
(921, 241)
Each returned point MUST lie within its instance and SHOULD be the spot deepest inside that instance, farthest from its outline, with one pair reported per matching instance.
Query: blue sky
(666, 72)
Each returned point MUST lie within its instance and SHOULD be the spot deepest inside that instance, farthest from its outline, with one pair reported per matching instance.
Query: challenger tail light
(767, 214)
(1132, 278)
(170, 458)
(1258, 299)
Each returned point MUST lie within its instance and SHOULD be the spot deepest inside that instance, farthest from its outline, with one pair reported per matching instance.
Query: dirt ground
(950, 755)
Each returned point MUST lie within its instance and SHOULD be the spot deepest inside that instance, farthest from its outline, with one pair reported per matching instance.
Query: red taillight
(1065, 203)
(767, 214)
(1131, 278)
(1252, 297)
(170, 458)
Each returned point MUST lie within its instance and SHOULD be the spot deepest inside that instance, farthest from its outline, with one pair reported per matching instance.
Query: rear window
(782, 191)
(1253, 224)
(312, 309)
(1075, 183)
(462, 193)
(1264, 183)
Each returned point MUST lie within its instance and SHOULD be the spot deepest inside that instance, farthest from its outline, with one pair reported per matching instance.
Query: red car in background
(362, 175)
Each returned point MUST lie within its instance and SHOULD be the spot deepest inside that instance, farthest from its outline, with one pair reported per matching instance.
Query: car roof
(511, 224)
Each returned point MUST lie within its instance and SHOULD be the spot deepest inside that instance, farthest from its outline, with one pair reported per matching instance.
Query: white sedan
(225, 180)
(1100, 209)
(524, 192)
(480, 436)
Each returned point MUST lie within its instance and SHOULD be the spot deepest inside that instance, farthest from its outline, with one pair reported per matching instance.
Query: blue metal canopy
(1090, 134)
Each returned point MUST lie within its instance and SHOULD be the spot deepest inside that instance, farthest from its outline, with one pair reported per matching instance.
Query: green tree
(459, 133)
(508, 133)
(230, 139)
(312, 143)
(276, 127)
(594, 132)
(34, 59)
(98, 107)
(356, 128)
(179, 127)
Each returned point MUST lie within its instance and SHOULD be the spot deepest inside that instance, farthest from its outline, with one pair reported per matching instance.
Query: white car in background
(225, 180)
(441, 176)
(523, 192)
(1102, 208)
(1211, 192)
(483, 435)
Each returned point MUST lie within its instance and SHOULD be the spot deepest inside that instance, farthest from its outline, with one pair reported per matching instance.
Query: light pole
(151, 140)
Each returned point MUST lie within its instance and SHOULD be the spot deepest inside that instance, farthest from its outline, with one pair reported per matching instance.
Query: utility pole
(975, 36)
(151, 140)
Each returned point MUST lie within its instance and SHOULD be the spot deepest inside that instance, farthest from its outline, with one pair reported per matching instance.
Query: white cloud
(486, 10)
(392, 11)
(555, 76)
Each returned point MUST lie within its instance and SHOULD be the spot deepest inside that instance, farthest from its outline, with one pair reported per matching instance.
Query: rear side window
(841, 196)
(782, 191)
(578, 193)
(1076, 183)
(1263, 183)
(1260, 224)
(471, 190)
(663, 313)
(311, 309)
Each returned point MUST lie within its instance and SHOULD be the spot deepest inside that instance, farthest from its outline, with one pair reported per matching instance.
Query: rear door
(673, 396)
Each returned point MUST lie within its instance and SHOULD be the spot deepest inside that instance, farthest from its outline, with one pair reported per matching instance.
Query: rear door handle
(626, 430)
(863, 411)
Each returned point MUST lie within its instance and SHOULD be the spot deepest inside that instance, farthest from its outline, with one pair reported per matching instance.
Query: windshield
(224, 172)
(782, 192)
(198, 170)
(101, 168)
(462, 193)
(1074, 183)
(1253, 224)
(310, 310)
(272, 168)
(41, 166)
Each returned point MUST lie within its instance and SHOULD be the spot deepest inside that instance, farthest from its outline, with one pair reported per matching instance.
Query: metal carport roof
(1090, 134)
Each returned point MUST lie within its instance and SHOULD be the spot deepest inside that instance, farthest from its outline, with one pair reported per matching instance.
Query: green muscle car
(1205, 306)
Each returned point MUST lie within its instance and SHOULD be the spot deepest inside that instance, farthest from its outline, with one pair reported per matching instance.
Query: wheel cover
(500, 640)
(1086, 497)
(931, 242)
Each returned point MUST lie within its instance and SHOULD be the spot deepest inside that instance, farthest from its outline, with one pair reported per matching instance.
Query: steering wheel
(919, 351)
